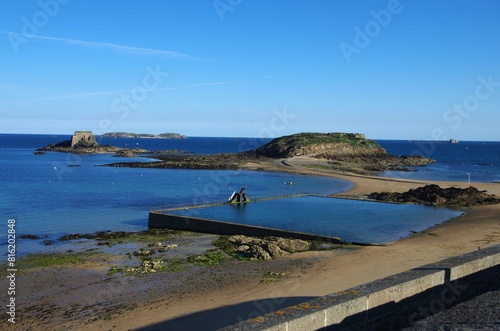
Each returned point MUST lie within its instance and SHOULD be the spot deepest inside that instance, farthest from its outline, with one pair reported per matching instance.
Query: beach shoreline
(236, 291)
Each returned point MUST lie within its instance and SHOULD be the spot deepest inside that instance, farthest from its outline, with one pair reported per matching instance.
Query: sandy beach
(84, 297)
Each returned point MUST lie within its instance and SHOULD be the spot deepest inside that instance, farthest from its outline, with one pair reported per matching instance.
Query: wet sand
(84, 297)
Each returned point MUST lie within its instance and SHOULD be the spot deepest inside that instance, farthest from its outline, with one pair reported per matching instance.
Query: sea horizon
(250, 137)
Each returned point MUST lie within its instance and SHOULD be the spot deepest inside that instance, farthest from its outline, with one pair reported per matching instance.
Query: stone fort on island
(83, 138)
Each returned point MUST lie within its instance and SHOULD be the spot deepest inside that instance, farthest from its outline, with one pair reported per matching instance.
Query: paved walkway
(479, 313)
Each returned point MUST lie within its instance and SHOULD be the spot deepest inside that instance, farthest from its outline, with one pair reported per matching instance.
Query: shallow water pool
(351, 220)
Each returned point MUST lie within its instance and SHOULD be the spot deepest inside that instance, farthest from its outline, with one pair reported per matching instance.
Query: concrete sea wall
(390, 303)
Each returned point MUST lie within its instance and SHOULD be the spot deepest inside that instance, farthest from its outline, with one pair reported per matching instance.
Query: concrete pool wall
(162, 219)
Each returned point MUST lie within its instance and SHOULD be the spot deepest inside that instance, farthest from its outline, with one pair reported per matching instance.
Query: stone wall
(391, 303)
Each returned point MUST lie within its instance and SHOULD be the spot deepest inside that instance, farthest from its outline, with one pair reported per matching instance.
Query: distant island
(84, 142)
(167, 135)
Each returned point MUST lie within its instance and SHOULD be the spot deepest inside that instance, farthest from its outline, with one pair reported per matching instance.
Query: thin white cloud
(99, 93)
(110, 46)
(81, 95)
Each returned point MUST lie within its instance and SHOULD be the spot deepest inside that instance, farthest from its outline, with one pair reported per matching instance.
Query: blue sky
(403, 69)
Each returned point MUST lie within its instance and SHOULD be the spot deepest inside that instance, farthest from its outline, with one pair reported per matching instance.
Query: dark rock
(48, 242)
(273, 250)
(266, 248)
(292, 245)
(211, 161)
(102, 235)
(105, 243)
(144, 252)
(29, 236)
(435, 195)
(72, 236)
(258, 253)
(130, 152)
(80, 148)
(106, 235)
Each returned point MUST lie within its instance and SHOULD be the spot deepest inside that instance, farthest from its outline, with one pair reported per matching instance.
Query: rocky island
(350, 152)
(84, 142)
(341, 149)
(167, 135)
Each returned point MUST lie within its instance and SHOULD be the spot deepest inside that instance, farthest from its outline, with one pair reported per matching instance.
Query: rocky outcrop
(437, 196)
(95, 148)
(339, 147)
(80, 148)
(130, 152)
(210, 161)
(315, 144)
(266, 248)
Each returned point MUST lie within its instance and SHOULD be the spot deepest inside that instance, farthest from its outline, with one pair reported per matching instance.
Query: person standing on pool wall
(239, 197)
(243, 195)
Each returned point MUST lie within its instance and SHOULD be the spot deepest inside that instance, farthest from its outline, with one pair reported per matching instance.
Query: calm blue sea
(480, 159)
(56, 193)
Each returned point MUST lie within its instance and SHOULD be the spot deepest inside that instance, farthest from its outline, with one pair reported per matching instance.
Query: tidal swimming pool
(351, 220)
